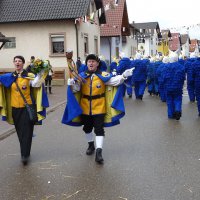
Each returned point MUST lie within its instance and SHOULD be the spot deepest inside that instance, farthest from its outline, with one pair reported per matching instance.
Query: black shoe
(140, 97)
(177, 115)
(25, 160)
(99, 158)
(90, 149)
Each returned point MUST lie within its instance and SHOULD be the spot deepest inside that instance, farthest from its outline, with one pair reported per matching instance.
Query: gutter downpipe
(109, 38)
(77, 42)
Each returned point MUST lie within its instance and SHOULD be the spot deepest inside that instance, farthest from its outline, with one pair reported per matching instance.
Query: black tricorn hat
(92, 57)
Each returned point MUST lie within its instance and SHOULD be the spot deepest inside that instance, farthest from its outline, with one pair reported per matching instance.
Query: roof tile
(36, 10)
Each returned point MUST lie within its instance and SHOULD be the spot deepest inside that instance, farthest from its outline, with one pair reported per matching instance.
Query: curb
(10, 131)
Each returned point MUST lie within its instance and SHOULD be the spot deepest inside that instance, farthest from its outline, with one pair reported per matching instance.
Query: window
(96, 45)
(11, 44)
(86, 50)
(57, 42)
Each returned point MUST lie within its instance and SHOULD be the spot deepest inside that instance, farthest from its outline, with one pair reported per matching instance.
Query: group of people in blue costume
(95, 96)
(12, 103)
(137, 80)
(95, 100)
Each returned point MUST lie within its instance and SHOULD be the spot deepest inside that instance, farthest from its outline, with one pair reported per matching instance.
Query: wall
(33, 39)
(130, 47)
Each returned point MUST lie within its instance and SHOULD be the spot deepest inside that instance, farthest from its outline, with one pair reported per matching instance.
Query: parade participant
(96, 104)
(124, 64)
(159, 74)
(17, 90)
(78, 63)
(71, 67)
(151, 76)
(113, 66)
(181, 59)
(48, 79)
(103, 65)
(139, 75)
(174, 76)
(190, 77)
(196, 76)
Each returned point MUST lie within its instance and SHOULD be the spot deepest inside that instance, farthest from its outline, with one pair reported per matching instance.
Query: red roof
(175, 42)
(116, 19)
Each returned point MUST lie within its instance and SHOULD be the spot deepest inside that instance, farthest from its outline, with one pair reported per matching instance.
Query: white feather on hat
(165, 59)
(138, 56)
(193, 55)
(69, 51)
(173, 57)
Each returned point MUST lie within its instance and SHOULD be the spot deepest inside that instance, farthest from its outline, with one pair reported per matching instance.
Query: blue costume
(113, 66)
(152, 79)
(124, 64)
(103, 66)
(196, 75)
(190, 79)
(139, 77)
(174, 76)
(161, 88)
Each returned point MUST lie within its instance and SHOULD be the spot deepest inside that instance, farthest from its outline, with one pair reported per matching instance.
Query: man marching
(96, 104)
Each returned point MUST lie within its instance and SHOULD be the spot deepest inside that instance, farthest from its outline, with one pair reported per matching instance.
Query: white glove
(70, 81)
(114, 73)
(128, 72)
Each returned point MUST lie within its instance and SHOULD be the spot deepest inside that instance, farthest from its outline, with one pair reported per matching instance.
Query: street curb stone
(10, 131)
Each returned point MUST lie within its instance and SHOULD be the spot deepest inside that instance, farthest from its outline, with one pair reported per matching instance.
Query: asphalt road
(147, 157)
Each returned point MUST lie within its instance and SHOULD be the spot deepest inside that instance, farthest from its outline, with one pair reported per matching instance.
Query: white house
(148, 37)
(46, 28)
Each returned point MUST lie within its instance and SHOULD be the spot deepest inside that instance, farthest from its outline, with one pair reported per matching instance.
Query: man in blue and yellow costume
(96, 104)
(12, 105)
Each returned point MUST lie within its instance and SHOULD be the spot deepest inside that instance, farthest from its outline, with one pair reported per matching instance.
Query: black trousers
(93, 121)
(24, 128)
(48, 84)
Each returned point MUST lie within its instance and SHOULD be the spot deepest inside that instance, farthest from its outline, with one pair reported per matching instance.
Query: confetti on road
(67, 197)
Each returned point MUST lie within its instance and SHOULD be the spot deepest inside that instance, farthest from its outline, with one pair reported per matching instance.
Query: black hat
(92, 57)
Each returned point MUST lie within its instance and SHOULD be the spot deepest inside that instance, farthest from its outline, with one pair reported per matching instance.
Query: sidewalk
(55, 100)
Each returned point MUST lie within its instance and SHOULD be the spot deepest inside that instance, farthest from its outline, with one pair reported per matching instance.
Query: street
(147, 157)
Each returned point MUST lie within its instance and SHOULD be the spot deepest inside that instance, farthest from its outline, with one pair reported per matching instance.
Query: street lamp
(3, 40)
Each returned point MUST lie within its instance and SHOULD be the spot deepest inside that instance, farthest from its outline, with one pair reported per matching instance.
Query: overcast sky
(169, 14)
